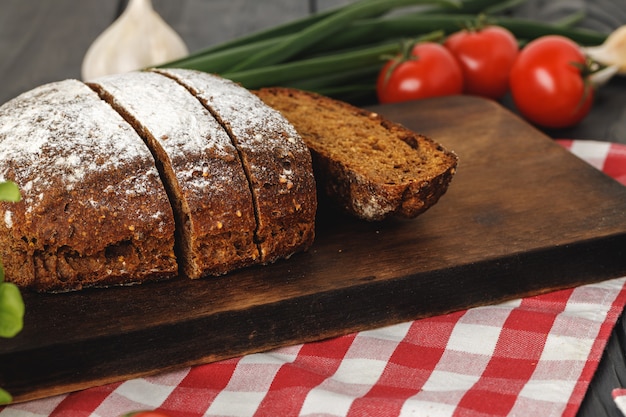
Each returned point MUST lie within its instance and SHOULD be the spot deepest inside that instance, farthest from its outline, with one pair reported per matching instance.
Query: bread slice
(371, 167)
(200, 167)
(93, 209)
(276, 161)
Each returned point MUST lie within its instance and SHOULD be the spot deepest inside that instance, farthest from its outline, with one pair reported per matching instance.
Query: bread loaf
(93, 209)
(276, 161)
(200, 167)
(96, 211)
(163, 173)
(372, 168)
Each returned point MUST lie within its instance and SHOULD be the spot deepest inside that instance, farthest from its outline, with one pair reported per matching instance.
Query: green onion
(343, 78)
(371, 31)
(271, 33)
(375, 30)
(223, 59)
(501, 7)
(358, 94)
(571, 19)
(469, 7)
(527, 29)
(279, 74)
(324, 29)
(339, 52)
(275, 34)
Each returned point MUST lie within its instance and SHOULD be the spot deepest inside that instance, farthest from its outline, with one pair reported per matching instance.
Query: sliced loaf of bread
(200, 167)
(371, 167)
(93, 209)
(276, 161)
(144, 176)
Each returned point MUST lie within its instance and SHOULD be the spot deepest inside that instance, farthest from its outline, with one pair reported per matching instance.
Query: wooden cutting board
(522, 216)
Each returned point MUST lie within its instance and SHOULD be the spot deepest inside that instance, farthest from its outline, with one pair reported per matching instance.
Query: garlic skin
(139, 38)
(612, 53)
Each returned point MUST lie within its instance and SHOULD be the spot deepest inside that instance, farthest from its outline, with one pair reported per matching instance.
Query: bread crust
(200, 167)
(369, 166)
(93, 210)
(276, 161)
(108, 178)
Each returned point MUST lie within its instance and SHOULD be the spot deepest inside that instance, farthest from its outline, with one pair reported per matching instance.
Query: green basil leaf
(11, 310)
(5, 397)
(9, 191)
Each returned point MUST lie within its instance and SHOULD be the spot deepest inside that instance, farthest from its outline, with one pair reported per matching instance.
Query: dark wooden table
(43, 41)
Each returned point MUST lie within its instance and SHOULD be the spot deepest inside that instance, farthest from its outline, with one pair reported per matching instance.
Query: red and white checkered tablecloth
(529, 357)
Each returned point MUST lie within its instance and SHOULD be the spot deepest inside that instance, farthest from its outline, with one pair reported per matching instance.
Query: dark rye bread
(200, 166)
(93, 210)
(112, 171)
(371, 167)
(276, 161)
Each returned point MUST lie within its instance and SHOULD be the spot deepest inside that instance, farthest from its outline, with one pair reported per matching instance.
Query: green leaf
(5, 397)
(9, 191)
(11, 310)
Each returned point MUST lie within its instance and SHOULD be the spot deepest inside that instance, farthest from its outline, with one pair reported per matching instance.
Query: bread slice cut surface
(372, 168)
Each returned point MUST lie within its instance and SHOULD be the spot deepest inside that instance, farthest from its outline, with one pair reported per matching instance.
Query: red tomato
(486, 56)
(548, 85)
(430, 71)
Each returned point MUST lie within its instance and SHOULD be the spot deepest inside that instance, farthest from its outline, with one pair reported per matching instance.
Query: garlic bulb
(612, 53)
(139, 38)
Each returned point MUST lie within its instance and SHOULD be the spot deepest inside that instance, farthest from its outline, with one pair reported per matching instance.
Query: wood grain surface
(522, 216)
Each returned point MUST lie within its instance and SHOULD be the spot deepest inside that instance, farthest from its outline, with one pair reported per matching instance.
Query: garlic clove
(139, 38)
(612, 53)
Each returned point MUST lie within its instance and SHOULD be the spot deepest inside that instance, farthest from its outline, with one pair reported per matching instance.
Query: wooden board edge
(309, 318)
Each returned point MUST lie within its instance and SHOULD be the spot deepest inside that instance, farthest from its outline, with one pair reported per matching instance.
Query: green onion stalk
(339, 52)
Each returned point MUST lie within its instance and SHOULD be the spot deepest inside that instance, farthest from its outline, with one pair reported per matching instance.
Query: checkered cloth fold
(528, 357)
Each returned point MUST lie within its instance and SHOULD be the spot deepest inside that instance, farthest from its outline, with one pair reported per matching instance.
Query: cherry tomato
(486, 56)
(548, 84)
(429, 71)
